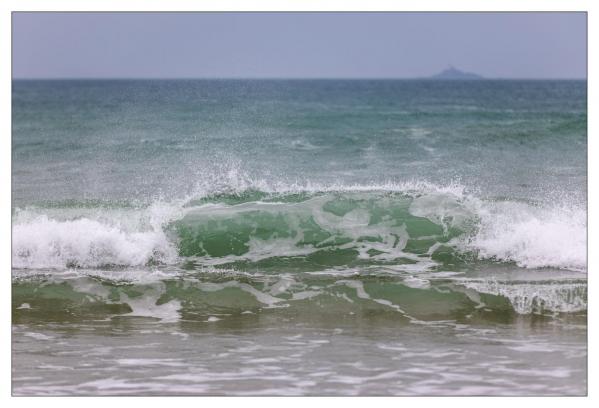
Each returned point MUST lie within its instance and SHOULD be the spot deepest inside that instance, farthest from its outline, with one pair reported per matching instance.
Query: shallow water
(299, 237)
(267, 354)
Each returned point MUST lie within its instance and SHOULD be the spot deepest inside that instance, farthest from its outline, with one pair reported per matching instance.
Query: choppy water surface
(299, 237)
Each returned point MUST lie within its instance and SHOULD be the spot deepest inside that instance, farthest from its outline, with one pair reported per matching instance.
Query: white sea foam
(126, 238)
(147, 306)
(529, 298)
(532, 236)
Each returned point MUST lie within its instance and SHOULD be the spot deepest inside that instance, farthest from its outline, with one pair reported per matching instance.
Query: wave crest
(532, 237)
(415, 227)
(49, 243)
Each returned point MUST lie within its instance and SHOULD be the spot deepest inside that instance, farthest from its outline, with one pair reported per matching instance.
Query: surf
(416, 226)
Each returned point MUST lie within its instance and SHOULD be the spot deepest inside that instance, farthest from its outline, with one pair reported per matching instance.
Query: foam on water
(532, 236)
(88, 238)
(535, 297)
(48, 243)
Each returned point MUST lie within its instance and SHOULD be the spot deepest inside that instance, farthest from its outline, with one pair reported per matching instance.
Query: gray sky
(297, 45)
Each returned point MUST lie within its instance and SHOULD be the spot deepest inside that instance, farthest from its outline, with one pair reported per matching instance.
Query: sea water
(299, 237)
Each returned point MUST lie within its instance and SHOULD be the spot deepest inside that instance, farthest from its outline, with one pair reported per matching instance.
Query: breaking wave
(415, 227)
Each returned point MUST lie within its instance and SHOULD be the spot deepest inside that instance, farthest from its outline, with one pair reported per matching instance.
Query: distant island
(454, 73)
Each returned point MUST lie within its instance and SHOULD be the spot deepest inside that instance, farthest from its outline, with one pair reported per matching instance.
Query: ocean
(299, 237)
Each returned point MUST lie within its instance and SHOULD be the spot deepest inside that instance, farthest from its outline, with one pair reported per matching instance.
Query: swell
(418, 227)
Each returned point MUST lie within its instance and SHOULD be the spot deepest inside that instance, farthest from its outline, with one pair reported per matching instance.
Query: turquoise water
(321, 237)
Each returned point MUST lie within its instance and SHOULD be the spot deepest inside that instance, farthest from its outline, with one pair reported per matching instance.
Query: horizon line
(166, 78)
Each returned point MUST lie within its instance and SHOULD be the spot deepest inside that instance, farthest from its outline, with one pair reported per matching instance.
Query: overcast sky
(297, 45)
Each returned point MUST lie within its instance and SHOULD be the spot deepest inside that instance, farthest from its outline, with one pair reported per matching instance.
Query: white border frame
(7, 6)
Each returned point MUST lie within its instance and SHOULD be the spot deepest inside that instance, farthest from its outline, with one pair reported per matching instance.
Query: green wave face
(328, 230)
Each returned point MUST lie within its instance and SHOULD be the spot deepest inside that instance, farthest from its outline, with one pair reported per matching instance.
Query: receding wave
(417, 227)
